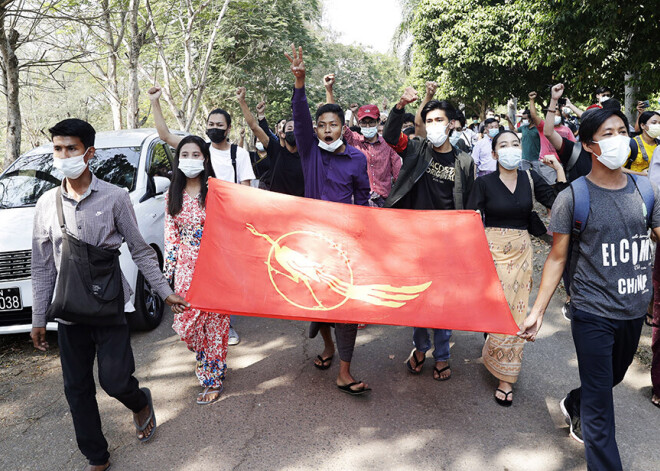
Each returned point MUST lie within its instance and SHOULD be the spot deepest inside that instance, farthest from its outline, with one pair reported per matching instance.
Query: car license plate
(10, 299)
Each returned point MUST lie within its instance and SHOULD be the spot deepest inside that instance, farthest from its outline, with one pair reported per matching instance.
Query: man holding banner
(337, 172)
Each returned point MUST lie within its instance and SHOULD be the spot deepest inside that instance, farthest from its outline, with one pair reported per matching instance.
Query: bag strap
(531, 184)
(645, 189)
(575, 154)
(642, 148)
(581, 204)
(60, 210)
(232, 152)
(634, 147)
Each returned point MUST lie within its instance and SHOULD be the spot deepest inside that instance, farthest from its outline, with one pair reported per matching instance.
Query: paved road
(279, 412)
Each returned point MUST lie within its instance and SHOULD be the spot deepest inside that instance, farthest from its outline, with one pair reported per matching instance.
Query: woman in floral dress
(205, 333)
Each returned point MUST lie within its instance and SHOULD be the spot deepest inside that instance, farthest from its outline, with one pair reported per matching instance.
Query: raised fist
(354, 107)
(532, 96)
(557, 91)
(431, 88)
(329, 80)
(154, 93)
(409, 96)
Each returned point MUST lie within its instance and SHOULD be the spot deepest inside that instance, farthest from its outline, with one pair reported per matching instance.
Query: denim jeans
(441, 339)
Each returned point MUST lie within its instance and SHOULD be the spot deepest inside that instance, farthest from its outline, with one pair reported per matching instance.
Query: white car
(136, 160)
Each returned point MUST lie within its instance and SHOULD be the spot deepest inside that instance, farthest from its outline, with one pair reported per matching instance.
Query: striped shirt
(103, 217)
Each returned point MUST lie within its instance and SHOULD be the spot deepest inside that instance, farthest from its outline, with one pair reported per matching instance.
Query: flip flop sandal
(323, 361)
(413, 368)
(504, 402)
(152, 416)
(439, 371)
(208, 391)
(353, 392)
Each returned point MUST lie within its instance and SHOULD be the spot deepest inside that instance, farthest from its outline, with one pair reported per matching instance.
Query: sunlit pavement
(279, 412)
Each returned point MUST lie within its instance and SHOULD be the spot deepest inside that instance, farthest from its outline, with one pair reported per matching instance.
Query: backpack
(581, 204)
(637, 145)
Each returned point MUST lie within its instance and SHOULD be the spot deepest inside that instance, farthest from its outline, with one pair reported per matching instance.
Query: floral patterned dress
(205, 333)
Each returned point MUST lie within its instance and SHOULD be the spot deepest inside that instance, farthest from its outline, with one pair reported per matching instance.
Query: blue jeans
(605, 349)
(441, 338)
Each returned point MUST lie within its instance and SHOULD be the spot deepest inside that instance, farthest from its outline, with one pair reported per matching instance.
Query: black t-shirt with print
(435, 189)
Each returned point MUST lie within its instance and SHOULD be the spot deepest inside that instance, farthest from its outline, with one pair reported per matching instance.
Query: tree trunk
(631, 92)
(8, 44)
(135, 44)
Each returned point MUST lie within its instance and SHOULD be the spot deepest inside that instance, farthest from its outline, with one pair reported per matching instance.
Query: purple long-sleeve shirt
(339, 177)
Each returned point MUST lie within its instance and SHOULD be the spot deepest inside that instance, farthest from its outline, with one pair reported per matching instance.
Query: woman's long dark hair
(178, 185)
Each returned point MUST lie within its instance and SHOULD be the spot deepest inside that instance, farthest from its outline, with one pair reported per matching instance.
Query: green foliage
(484, 51)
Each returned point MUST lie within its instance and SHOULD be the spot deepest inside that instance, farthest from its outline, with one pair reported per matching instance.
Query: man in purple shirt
(336, 172)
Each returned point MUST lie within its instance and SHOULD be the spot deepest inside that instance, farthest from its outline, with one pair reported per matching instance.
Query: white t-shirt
(224, 170)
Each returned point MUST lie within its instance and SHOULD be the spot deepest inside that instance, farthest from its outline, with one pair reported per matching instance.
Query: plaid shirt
(103, 217)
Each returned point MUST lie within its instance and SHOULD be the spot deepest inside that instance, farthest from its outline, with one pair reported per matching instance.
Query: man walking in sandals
(78, 229)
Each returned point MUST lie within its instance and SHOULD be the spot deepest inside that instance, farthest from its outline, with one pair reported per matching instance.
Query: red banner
(273, 255)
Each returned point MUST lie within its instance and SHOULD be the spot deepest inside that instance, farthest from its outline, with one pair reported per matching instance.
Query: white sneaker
(233, 337)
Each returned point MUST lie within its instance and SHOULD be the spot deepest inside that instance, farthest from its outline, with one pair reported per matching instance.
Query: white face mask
(191, 167)
(654, 130)
(436, 133)
(557, 120)
(369, 132)
(72, 167)
(333, 146)
(509, 157)
(525, 122)
(603, 99)
(613, 151)
(454, 137)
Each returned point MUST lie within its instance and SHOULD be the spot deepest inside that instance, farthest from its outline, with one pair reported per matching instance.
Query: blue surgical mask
(493, 132)
(369, 132)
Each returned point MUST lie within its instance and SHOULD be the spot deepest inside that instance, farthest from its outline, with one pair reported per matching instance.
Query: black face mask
(216, 135)
(290, 138)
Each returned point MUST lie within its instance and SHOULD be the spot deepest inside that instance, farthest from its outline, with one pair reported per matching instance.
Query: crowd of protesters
(596, 171)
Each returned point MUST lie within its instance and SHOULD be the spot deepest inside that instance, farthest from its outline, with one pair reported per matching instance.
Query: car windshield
(31, 176)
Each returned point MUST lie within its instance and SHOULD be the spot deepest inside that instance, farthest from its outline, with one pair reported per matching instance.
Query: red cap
(370, 111)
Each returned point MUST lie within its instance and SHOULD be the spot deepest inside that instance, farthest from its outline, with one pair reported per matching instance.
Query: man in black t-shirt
(434, 175)
(286, 174)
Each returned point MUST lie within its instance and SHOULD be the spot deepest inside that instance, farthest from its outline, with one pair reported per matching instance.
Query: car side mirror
(161, 184)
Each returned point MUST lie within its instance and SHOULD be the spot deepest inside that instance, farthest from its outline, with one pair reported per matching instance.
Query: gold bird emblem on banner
(330, 284)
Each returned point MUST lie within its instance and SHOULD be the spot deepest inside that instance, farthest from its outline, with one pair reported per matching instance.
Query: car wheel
(148, 306)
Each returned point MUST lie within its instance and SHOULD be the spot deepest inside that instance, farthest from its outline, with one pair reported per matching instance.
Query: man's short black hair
(223, 113)
(443, 105)
(474, 116)
(74, 128)
(600, 90)
(594, 118)
(612, 103)
(330, 108)
(408, 118)
(460, 117)
(488, 121)
(526, 112)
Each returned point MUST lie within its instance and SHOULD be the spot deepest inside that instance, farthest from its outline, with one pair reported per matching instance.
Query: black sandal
(439, 371)
(504, 402)
(413, 368)
(648, 320)
(353, 392)
(323, 361)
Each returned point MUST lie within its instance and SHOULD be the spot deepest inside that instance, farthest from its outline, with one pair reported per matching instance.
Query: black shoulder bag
(89, 287)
